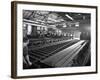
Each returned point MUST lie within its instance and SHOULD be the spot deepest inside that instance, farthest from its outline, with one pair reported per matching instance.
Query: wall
(5, 41)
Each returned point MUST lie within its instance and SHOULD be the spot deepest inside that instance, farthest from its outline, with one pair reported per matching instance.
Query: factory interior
(57, 39)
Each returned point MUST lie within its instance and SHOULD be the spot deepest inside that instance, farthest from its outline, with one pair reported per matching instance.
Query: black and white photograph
(53, 39)
(56, 39)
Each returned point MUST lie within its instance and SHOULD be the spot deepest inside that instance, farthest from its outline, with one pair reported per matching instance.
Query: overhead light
(84, 17)
(77, 24)
(64, 25)
(79, 14)
(69, 17)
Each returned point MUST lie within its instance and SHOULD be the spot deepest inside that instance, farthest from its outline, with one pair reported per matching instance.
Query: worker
(26, 61)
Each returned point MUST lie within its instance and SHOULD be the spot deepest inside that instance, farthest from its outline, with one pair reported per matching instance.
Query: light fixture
(69, 17)
(77, 24)
(64, 25)
(84, 17)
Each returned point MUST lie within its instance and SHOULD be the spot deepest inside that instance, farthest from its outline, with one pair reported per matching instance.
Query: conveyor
(64, 57)
(58, 55)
